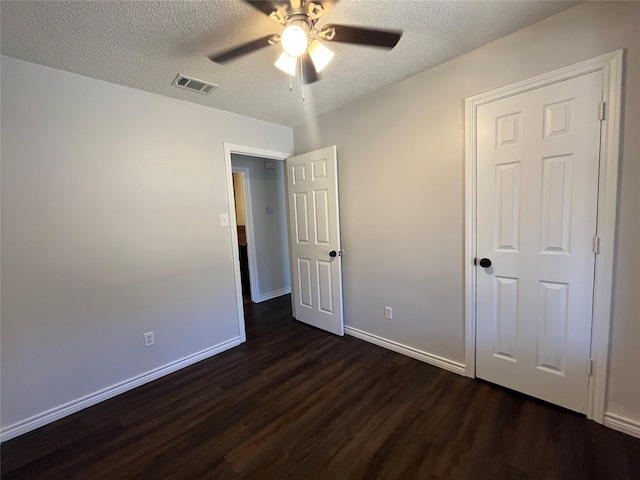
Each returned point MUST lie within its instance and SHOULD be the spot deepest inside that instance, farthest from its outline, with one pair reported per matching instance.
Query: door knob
(485, 262)
(333, 253)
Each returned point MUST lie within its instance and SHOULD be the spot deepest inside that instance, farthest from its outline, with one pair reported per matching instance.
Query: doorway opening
(261, 223)
(261, 248)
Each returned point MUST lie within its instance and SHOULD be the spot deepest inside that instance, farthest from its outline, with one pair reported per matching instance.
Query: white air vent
(194, 85)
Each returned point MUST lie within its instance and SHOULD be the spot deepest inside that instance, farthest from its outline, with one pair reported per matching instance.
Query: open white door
(314, 231)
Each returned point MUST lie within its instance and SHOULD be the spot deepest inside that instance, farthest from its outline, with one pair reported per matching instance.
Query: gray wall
(401, 161)
(269, 230)
(110, 228)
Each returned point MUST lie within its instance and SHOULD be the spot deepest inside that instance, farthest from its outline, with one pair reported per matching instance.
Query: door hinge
(589, 366)
(596, 244)
(601, 108)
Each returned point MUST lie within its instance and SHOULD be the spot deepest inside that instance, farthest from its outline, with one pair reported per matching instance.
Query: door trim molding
(230, 148)
(611, 65)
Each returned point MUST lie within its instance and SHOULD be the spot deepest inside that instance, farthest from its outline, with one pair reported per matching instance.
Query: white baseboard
(81, 403)
(274, 294)
(622, 424)
(426, 357)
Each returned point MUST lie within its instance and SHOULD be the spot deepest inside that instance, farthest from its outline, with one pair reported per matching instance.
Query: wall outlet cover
(149, 339)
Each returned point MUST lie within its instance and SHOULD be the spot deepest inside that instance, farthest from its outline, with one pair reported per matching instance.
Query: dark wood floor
(297, 403)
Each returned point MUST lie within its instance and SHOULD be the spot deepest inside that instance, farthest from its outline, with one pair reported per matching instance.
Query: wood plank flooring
(297, 403)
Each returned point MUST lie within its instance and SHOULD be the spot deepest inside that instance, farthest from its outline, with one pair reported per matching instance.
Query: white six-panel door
(537, 189)
(314, 230)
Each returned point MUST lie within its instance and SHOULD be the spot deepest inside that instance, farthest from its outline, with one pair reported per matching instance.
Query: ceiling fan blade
(244, 49)
(309, 72)
(265, 6)
(361, 36)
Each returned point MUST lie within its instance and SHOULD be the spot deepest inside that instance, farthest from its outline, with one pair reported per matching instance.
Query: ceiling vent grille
(188, 83)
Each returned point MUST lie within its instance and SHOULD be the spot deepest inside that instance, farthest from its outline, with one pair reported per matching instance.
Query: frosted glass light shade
(294, 40)
(287, 64)
(320, 55)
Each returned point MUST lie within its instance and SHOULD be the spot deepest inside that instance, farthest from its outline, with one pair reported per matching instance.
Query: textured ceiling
(145, 44)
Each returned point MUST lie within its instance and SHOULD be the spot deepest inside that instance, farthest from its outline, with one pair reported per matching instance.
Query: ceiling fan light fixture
(287, 64)
(320, 55)
(294, 38)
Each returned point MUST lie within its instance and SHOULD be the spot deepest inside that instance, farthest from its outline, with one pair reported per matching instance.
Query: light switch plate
(224, 219)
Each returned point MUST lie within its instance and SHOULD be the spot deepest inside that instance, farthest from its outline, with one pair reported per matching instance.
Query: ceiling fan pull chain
(290, 83)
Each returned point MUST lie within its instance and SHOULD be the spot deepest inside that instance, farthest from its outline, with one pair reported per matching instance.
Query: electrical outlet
(388, 313)
(149, 339)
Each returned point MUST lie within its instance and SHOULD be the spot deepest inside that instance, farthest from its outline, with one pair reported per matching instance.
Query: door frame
(251, 253)
(229, 149)
(611, 65)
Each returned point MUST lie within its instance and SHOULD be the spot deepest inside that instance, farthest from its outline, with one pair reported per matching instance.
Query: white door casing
(534, 246)
(314, 232)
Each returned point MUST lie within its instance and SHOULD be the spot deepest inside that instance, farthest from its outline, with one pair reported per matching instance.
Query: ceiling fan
(300, 38)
